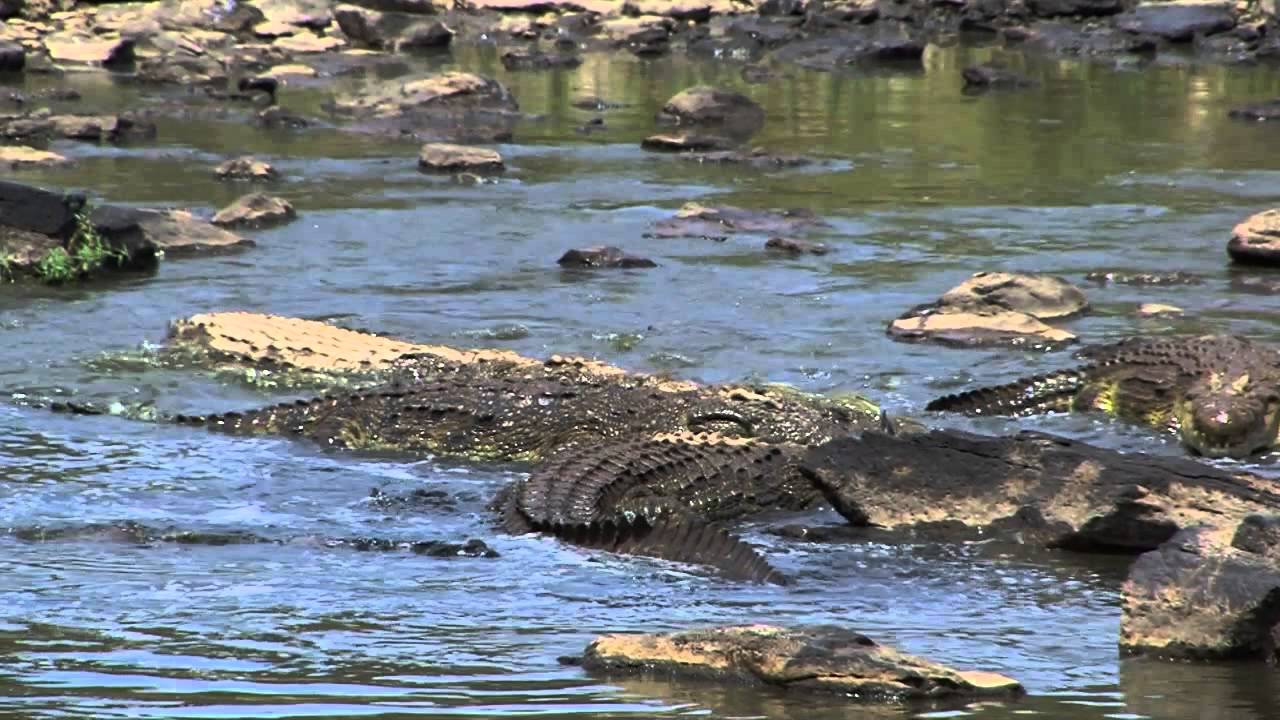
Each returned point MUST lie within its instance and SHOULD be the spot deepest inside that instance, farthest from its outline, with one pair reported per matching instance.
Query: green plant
(89, 252)
(6, 268)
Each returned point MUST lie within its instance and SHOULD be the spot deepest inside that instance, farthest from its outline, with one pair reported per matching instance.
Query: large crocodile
(1219, 394)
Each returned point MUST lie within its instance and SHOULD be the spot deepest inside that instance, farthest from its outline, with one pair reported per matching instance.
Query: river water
(1099, 168)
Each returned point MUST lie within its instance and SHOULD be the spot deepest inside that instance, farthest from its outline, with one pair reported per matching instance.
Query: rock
(458, 106)
(994, 76)
(307, 43)
(246, 167)
(694, 220)
(1256, 240)
(883, 42)
(537, 60)
(1031, 488)
(684, 10)
(272, 29)
(34, 209)
(278, 117)
(1207, 595)
(706, 105)
(371, 29)
(602, 256)
(757, 158)
(822, 659)
(180, 234)
(1179, 20)
(1054, 8)
(686, 142)
(1269, 110)
(13, 57)
(17, 157)
(1072, 40)
(255, 210)
(444, 157)
(1156, 309)
(283, 72)
(411, 7)
(1039, 295)
(113, 128)
(1176, 277)
(108, 51)
(424, 36)
(185, 71)
(791, 246)
(976, 328)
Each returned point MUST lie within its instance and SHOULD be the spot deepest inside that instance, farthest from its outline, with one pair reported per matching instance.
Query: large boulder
(109, 51)
(822, 659)
(37, 210)
(995, 308)
(1042, 296)
(1256, 239)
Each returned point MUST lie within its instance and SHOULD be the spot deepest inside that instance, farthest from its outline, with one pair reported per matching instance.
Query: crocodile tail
(677, 539)
(1039, 394)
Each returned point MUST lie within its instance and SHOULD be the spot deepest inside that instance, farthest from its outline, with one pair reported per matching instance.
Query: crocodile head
(1229, 414)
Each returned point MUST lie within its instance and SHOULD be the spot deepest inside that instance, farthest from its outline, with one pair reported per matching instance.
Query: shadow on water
(1097, 169)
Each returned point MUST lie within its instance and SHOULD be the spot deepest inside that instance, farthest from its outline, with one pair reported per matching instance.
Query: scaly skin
(1219, 394)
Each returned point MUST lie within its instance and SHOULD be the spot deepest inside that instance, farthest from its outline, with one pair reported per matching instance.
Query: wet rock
(703, 105)
(278, 117)
(13, 57)
(757, 74)
(255, 210)
(1179, 20)
(1256, 240)
(884, 42)
(1176, 277)
(18, 157)
(426, 36)
(1071, 40)
(457, 106)
(37, 210)
(686, 142)
(417, 499)
(282, 73)
(412, 7)
(1039, 295)
(107, 51)
(112, 128)
(602, 256)
(306, 43)
(994, 76)
(246, 167)
(757, 158)
(976, 328)
(444, 157)
(1157, 309)
(1054, 8)
(694, 220)
(1031, 488)
(1269, 110)
(176, 233)
(794, 247)
(1205, 595)
(387, 30)
(686, 10)
(823, 659)
(537, 60)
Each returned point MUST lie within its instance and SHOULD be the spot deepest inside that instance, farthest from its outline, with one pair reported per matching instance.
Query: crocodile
(1219, 394)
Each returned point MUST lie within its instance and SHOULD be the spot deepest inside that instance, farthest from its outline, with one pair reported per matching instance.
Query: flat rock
(107, 51)
(307, 43)
(1158, 309)
(976, 328)
(694, 220)
(882, 42)
(446, 157)
(1256, 240)
(255, 210)
(1201, 597)
(1180, 20)
(823, 659)
(756, 158)
(602, 256)
(1066, 39)
(17, 157)
(794, 247)
(688, 10)
(246, 167)
(180, 234)
(286, 71)
(454, 106)
(1042, 296)
(681, 142)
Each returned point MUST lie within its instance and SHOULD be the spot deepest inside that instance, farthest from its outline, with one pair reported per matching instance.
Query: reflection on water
(1098, 168)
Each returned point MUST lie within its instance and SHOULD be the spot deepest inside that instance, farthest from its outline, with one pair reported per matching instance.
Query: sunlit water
(1097, 168)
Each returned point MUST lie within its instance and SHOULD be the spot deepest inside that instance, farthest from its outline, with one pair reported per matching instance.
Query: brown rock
(686, 142)
(17, 157)
(425, 36)
(1157, 309)
(444, 90)
(1203, 596)
(603, 256)
(246, 167)
(527, 59)
(445, 157)
(792, 246)
(703, 104)
(817, 659)
(981, 327)
(694, 220)
(179, 233)
(283, 72)
(1256, 240)
(1041, 296)
(307, 43)
(107, 51)
(255, 210)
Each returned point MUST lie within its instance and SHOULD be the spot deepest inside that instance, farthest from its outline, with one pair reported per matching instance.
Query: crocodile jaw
(1215, 435)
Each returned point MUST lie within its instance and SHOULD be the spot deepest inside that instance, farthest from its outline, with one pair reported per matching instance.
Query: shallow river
(1099, 168)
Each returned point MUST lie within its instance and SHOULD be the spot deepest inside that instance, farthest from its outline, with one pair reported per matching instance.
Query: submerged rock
(603, 256)
(446, 157)
(757, 158)
(1175, 277)
(1269, 110)
(255, 210)
(981, 77)
(794, 247)
(1256, 240)
(1207, 594)
(883, 42)
(824, 659)
(246, 167)
(694, 220)
(537, 60)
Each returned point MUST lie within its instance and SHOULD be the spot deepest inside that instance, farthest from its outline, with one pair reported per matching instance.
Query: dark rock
(887, 42)
(425, 36)
(387, 30)
(1199, 598)
(686, 142)
(1054, 8)
(182, 70)
(603, 256)
(791, 246)
(13, 57)
(1067, 39)
(454, 106)
(789, 8)
(1256, 240)
(537, 60)
(34, 209)
(1179, 21)
(994, 76)
(177, 233)
(278, 117)
(259, 83)
(1269, 110)
(412, 7)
